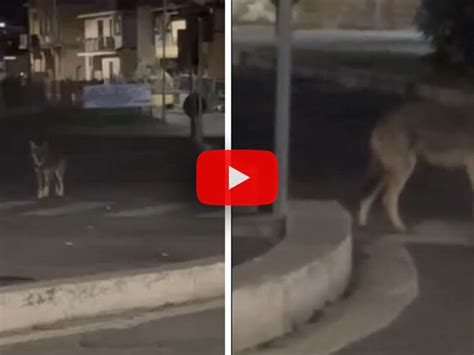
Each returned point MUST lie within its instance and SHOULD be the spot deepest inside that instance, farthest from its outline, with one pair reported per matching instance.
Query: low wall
(29, 305)
(333, 14)
(281, 290)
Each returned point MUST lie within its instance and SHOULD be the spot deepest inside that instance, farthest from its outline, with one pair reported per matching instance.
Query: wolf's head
(39, 153)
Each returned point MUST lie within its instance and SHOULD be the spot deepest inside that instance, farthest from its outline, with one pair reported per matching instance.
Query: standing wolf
(441, 135)
(49, 165)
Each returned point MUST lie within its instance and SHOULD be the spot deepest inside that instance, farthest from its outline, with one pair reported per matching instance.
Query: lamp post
(282, 119)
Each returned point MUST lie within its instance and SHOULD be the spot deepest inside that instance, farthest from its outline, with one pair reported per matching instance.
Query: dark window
(118, 25)
(100, 28)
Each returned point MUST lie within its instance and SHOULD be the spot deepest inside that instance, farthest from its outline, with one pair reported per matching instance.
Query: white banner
(117, 95)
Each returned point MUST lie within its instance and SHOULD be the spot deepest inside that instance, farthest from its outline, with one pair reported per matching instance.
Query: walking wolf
(49, 165)
(441, 135)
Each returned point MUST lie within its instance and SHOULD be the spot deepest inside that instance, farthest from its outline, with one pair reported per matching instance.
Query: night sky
(13, 11)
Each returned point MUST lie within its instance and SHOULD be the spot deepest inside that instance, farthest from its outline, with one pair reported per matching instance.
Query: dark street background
(130, 202)
(330, 128)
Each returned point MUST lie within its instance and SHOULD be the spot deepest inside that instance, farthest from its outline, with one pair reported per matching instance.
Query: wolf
(439, 134)
(49, 165)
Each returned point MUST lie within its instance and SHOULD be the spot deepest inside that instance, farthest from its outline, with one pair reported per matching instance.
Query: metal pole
(163, 67)
(199, 138)
(191, 85)
(2, 99)
(282, 119)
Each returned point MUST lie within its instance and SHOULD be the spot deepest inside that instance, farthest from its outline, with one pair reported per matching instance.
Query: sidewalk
(177, 125)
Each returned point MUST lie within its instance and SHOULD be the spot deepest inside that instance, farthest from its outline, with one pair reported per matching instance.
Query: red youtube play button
(237, 177)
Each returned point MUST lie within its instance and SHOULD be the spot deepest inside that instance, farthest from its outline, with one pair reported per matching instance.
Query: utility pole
(163, 62)
(282, 119)
(199, 131)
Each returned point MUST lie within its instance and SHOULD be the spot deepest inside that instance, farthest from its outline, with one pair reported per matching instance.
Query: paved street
(441, 320)
(42, 241)
(186, 330)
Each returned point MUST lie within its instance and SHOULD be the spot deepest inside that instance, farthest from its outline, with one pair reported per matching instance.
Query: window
(100, 28)
(118, 25)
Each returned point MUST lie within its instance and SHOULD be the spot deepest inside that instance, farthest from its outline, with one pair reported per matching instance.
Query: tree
(449, 25)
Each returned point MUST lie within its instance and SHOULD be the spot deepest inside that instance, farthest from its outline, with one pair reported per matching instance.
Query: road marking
(120, 321)
(440, 233)
(67, 209)
(13, 204)
(149, 211)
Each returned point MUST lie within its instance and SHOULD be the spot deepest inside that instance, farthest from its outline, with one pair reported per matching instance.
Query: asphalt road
(197, 332)
(441, 320)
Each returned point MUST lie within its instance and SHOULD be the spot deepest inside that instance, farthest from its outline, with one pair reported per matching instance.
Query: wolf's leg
(470, 173)
(397, 177)
(47, 182)
(59, 182)
(372, 189)
(40, 183)
(59, 173)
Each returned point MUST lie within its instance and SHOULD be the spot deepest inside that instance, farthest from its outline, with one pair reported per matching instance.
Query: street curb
(386, 284)
(274, 294)
(362, 79)
(43, 303)
(262, 226)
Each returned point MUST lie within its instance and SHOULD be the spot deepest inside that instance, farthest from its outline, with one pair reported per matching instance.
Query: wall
(70, 62)
(129, 29)
(145, 46)
(71, 38)
(91, 26)
(334, 14)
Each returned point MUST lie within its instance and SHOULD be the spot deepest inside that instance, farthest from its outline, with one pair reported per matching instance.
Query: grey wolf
(441, 135)
(49, 166)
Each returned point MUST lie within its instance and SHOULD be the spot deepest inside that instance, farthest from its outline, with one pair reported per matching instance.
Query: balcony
(43, 41)
(101, 44)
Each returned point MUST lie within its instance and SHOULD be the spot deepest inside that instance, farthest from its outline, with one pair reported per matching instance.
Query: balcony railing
(100, 44)
(42, 41)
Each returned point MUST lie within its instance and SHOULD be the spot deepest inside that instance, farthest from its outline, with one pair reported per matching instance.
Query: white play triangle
(236, 177)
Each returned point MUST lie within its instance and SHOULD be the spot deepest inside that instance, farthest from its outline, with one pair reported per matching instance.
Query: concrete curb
(259, 226)
(387, 283)
(281, 290)
(356, 78)
(30, 305)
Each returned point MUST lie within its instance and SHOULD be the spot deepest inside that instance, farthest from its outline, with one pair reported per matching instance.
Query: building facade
(109, 45)
(56, 38)
(14, 55)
